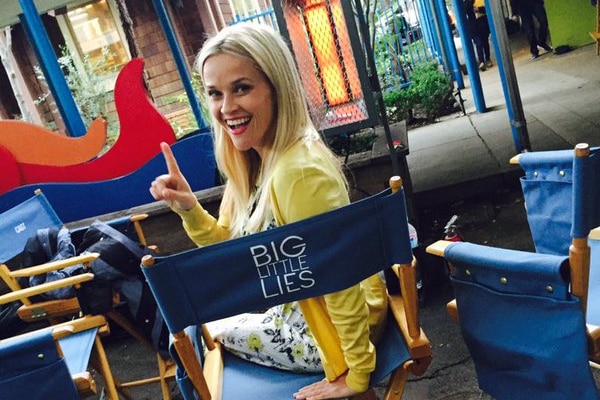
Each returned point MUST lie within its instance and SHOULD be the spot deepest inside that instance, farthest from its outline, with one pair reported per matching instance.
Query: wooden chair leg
(109, 382)
(396, 385)
(162, 372)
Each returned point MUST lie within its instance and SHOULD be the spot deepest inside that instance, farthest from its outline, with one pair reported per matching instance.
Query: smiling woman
(278, 170)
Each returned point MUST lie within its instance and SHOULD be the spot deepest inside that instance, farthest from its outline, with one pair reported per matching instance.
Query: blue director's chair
(562, 199)
(338, 249)
(523, 315)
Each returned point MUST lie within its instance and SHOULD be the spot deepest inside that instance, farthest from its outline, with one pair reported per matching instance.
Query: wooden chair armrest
(438, 248)
(54, 265)
(49, 309)
(45, 287)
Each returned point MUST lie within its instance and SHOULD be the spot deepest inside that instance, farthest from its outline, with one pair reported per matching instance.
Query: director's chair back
(316, 256)
(562, 199)
(524, 329)
(21, 222)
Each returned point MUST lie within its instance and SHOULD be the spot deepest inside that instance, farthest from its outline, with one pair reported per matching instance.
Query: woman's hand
(326, 390)
(172, 187)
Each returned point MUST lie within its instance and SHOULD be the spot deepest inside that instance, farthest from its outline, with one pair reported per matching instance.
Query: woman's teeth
(236, 123)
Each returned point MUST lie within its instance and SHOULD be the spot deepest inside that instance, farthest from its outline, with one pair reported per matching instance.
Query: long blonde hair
(246, 198)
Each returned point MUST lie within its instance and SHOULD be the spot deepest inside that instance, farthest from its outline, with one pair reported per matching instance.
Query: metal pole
(469, 54)
(38, 37)
(508, 76)
(167, 28)
(448, 42)
(438, 34)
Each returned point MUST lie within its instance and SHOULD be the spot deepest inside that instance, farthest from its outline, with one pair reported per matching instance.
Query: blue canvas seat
(331, 251)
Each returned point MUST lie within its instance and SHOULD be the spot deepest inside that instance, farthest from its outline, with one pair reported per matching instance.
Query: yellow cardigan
(346, 323)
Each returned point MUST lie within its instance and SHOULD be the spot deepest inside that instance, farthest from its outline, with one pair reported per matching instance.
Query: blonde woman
(277, 170)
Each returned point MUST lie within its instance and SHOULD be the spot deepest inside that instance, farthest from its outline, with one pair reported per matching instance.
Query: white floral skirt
(276, 338)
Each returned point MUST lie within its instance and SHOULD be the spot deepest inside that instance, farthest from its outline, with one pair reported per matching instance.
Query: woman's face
(241, 99)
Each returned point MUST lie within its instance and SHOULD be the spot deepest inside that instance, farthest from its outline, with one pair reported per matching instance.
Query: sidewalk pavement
(561, 102)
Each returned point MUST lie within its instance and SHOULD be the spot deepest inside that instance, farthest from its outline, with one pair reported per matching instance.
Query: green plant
(399, 104)
(351, 143)
(87, 87)
(187, 125)
(431, 88)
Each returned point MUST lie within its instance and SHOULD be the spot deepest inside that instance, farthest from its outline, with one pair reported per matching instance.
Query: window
(92, 31)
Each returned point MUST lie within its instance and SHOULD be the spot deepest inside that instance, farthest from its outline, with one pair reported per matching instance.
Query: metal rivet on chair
(562, 173)
(549, 289)
(535, 174)
(468, 272)
(503, 280)
(40, 356)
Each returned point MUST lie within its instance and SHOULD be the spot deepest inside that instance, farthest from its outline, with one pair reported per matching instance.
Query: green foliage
(431, 88)
(88, 86)
(399, 104)
(428, 94)
(352, 143)
(188, 124)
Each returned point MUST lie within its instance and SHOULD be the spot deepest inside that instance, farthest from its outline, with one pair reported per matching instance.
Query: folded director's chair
(20, 223)
(562, 199)
(325, 253)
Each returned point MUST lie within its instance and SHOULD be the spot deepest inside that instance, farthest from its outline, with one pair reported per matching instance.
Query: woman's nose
(228, 104)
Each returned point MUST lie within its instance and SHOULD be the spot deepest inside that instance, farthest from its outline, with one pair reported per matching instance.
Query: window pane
(95, 29)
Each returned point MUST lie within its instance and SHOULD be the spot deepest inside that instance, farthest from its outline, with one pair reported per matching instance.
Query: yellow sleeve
(203, 228)
(350, 317)
(305, 186)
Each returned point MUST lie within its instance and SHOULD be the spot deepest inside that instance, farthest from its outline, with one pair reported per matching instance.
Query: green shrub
(399, 104)
(431, 88)
(427, 95)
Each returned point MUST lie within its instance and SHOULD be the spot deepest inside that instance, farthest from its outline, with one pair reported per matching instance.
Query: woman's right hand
(172, 187)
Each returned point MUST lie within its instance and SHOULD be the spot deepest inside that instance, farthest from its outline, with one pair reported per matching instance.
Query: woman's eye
(213, 93)
(242, 88)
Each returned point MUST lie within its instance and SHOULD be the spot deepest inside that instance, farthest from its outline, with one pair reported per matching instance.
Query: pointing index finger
(172, 166)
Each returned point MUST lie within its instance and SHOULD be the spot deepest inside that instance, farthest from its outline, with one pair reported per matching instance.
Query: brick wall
(162, 78)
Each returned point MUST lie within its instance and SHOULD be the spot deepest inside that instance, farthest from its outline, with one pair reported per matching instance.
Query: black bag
(115, 248)
(119, 267)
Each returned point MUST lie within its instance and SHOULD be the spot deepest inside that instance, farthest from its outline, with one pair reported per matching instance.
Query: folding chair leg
(396, 385)
(162, 371)
(102, 361)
